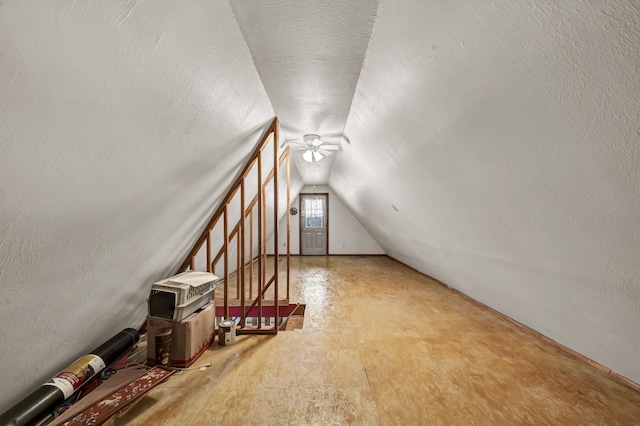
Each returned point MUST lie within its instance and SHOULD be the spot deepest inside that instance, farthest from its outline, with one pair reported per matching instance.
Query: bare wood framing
(265, 258)
(239, 266)
(276, 200)
(239, 232)
(258, 300)
(265, 302)
(226, 261)
(260, 330)
(234, 231)
(251, 206)
(280, 161)
(251, 254)
(260, 244)
(220, 209)
(218, 257)
(209, 251)
(287, 152)
(241, 249)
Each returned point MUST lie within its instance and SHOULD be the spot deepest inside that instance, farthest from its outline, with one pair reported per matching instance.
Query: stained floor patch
(382, 344)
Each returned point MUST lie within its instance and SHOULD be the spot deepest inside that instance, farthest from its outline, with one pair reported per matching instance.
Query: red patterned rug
(108, 410)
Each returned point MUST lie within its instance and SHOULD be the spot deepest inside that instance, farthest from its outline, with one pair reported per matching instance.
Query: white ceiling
(308, 55)
(494, 145)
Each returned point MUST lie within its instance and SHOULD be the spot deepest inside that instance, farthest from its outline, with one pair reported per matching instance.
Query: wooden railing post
(254, 308)
(288, 152)
(241, 250)
(209, 252)
(226, 260)
(263, 249)
(251, 254)
(260, 245)
(276, 200)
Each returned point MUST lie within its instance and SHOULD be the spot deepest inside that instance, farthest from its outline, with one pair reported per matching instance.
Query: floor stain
(382, 345)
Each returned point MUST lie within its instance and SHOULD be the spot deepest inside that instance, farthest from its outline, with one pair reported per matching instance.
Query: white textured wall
(346, 233)
(504, 133)
(507, 136)
(122, 124)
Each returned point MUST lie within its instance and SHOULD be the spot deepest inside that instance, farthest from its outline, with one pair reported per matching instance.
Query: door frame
(326, 222)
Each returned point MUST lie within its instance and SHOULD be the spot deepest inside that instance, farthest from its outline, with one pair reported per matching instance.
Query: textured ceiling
(309, 55)
(493, 144)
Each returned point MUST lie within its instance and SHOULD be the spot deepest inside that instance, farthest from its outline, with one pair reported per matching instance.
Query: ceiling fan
(315, 149)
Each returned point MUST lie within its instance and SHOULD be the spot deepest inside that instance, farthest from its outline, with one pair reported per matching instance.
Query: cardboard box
(189, 338)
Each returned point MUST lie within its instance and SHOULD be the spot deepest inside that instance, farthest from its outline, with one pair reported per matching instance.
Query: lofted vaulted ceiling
(491, 144)
(308, 56)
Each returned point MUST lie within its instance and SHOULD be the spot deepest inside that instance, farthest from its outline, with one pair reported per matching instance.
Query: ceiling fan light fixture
(310, 138)
(315, 149)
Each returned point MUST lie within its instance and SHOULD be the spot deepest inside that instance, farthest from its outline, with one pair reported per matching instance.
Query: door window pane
(314, 212)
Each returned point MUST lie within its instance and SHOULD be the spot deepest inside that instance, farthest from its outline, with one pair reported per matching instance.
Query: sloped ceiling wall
(122, 125)
(494, 145)
(309, 55)
(505, 134)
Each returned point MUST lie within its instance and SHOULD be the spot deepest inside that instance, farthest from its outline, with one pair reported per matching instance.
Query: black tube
(34, 408)
(113, 348)
(40, 404)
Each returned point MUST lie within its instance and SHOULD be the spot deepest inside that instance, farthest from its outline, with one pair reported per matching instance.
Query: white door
(313, 224)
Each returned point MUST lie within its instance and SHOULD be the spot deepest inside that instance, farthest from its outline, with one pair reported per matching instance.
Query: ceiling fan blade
(316, 142)
(317, 156)
(308, 156)
(329, 147)
(324, 151)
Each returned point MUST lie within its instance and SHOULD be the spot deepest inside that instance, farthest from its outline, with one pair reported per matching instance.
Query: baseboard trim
(615, 376)
(332, 254)
(359, 254)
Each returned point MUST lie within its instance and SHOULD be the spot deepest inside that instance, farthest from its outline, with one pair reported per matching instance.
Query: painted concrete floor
(384, 345)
